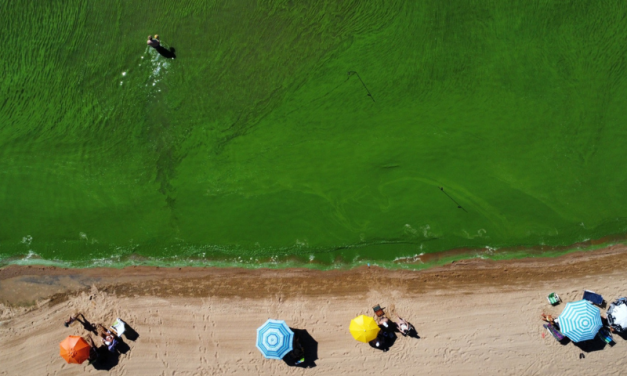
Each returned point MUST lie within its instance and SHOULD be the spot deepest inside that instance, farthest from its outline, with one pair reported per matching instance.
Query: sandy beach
(473, 317)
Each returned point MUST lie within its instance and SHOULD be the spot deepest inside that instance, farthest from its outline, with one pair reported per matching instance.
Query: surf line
(350, 73)
(452, 199)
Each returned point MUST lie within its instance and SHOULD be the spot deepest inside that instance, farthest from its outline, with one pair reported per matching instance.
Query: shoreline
(419, 261)
(26, 285)
(472, 316)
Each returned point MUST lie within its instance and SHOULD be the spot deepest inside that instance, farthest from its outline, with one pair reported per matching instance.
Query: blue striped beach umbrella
(580, 321)
(274, 339)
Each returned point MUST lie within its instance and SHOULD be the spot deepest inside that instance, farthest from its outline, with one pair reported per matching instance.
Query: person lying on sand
(548, 318)
(403, 326)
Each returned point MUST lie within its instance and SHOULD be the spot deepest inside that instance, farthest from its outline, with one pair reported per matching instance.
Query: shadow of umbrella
(106, 360)
(310, 347)
(589, 346)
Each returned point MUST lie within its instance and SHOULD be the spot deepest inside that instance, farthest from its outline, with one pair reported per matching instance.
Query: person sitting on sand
(108, 338)
(383, 321)
(101, 330)
(111, 343)
(387, 326)
(153, 42)
(105, 334)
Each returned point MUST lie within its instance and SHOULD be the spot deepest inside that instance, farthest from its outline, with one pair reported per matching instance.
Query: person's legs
(70, 320)
(101, 331)
(90, 341)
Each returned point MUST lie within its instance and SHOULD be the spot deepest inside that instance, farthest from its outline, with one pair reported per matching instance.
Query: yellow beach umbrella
(364, 328)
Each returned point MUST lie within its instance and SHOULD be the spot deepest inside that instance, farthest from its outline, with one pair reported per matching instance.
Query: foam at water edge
(33, 258)
(414, 262)
(414, 258)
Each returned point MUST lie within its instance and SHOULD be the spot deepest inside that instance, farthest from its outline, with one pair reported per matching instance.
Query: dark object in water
(167, 53)
(350, 73)
(456, 203)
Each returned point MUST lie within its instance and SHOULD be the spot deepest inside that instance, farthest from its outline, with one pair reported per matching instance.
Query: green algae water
(308, 132)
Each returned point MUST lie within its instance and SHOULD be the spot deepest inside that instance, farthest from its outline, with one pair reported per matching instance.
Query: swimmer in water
(153, 42)
(156, 44)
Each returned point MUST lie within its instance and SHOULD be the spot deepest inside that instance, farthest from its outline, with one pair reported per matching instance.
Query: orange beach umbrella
(75, 349)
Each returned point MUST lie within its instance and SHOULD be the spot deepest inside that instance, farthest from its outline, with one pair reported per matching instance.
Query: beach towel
(551, 328)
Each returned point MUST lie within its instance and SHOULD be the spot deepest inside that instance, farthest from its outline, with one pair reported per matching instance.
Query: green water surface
(259, 142)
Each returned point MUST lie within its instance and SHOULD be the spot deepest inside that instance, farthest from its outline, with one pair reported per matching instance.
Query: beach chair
(553, 298)
(592, 297)
(378, 311)
(118, 327)
(554, 332)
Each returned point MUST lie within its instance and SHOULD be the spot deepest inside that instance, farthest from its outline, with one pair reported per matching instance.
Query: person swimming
(154, 42)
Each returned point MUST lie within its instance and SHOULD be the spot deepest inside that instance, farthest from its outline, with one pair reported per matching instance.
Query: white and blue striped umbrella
(274, 339)
(580, 321)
